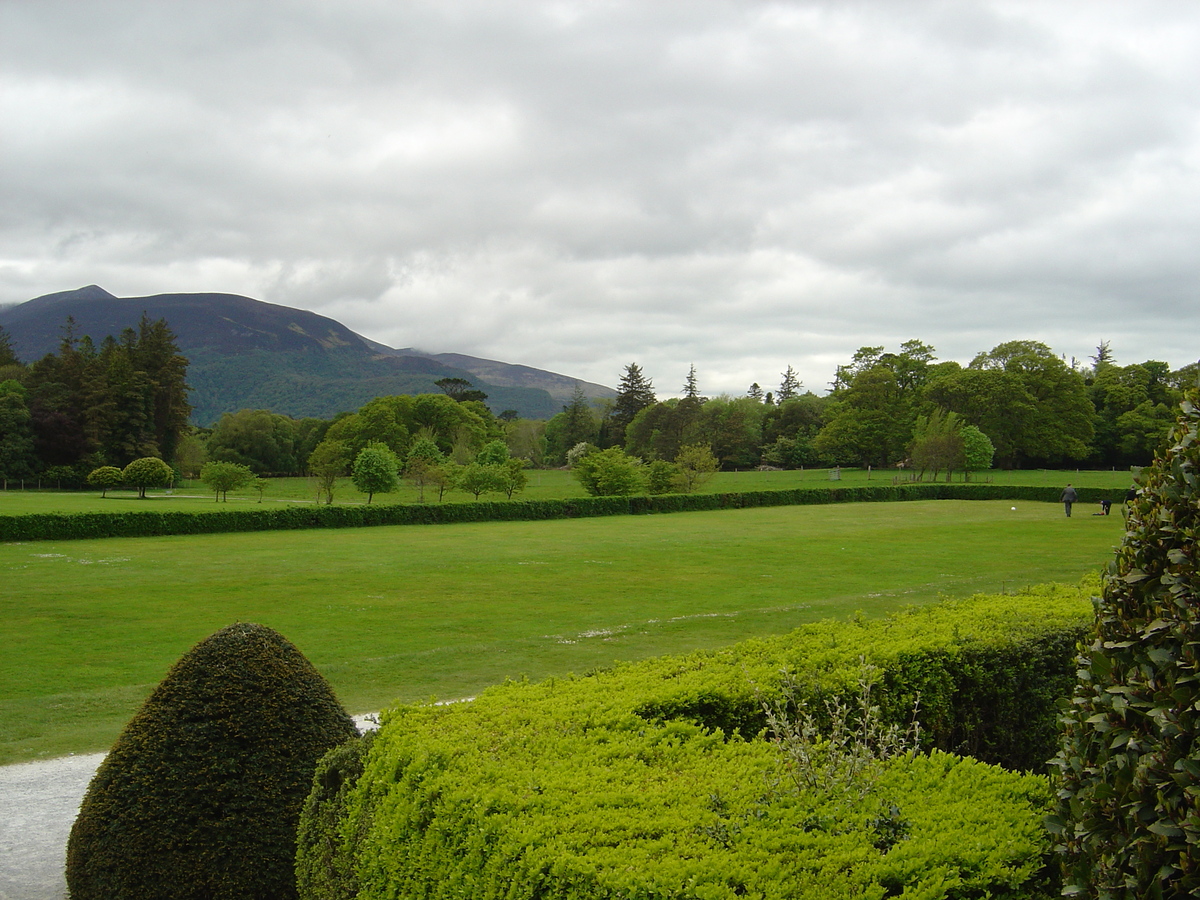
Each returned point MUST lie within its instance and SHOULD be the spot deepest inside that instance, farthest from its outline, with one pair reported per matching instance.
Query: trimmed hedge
(652, 779)
(147, 523)
(200, 796)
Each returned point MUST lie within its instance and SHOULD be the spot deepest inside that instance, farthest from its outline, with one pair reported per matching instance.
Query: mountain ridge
(244, 352)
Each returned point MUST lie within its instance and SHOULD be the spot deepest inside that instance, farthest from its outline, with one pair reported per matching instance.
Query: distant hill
(245, 353)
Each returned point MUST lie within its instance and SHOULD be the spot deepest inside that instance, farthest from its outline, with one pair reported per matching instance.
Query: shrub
(661, 477)
(610, 473)
(650, 779)
(1129, 768)
(200, 795)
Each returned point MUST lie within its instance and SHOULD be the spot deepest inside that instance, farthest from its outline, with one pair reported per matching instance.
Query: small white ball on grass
(1014, 509)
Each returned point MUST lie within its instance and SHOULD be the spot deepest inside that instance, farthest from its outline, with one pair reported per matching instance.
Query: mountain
(245, 353)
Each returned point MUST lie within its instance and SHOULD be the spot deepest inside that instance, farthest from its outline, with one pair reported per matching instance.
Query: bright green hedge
(147, 523)
(652, 779)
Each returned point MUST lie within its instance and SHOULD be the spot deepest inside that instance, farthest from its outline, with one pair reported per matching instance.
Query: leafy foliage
(200, 796)
(696, 465)
(610, 473)
(322, 871)
(223, 477)
(106, 477)
(328, 462)
(843, 759)
(147, 472)
(376, 470)
(649, 779)
(1129, 767)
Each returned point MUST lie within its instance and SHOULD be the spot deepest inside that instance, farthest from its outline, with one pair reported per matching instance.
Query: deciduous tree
(376, 471)
(106, 478)
(328, 463)
(696, 465)
(149, 471)
(223, 477)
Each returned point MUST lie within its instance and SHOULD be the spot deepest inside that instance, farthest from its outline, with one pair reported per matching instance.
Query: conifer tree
(634, 393)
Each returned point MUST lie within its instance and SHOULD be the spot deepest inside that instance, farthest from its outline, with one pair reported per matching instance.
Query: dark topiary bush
(200, 796)
(1128, 818)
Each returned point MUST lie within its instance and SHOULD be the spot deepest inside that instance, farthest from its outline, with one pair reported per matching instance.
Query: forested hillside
(247, 353)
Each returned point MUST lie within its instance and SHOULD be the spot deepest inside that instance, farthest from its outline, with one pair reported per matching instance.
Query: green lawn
(411, 613)
(543, 484)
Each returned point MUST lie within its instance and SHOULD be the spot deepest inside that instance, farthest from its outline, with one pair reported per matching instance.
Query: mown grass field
(421, 612)
(543, 484)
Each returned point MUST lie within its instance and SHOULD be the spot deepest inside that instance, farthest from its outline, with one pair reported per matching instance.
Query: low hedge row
(653, 780)
(148, 523)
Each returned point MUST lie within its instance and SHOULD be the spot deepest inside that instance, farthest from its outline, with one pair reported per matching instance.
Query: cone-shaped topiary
(200, 796)
(1128, 817)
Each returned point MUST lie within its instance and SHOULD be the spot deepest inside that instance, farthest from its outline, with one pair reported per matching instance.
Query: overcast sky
(579, 185)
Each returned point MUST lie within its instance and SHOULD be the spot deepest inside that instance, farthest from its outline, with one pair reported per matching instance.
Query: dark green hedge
(200, 795)
(652, 780)
(73, 526)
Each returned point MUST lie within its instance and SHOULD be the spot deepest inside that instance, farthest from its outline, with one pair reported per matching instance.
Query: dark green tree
(1128, 822)
(201, 794)
(8, 356)
(460, 390)
(17, 458)
(634, 393)
(870, 421)
(156, 354)
(576, 424)
(789, 386)
(263, 441)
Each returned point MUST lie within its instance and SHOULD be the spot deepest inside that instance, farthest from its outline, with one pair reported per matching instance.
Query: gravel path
(38, 803)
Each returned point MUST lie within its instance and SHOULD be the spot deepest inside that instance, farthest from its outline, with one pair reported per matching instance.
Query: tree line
(902, 407)
(89, 406)
(1017, 405)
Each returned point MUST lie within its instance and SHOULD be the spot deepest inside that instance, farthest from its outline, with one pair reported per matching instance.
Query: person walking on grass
(1068, 497)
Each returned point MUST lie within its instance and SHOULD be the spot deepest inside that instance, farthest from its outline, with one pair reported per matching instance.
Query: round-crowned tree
(1128, 823)
(149, 471)
(106, 478)
(200, 796)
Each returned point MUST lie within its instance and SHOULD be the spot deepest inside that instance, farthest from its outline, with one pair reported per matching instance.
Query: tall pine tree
(634, 394)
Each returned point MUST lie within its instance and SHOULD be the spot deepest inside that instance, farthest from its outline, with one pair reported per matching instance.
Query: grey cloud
(741, 186)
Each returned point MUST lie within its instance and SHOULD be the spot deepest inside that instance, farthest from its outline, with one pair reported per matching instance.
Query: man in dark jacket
(1068, 497)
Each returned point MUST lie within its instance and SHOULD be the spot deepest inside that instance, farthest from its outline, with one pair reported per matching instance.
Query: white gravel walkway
(38, 805)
